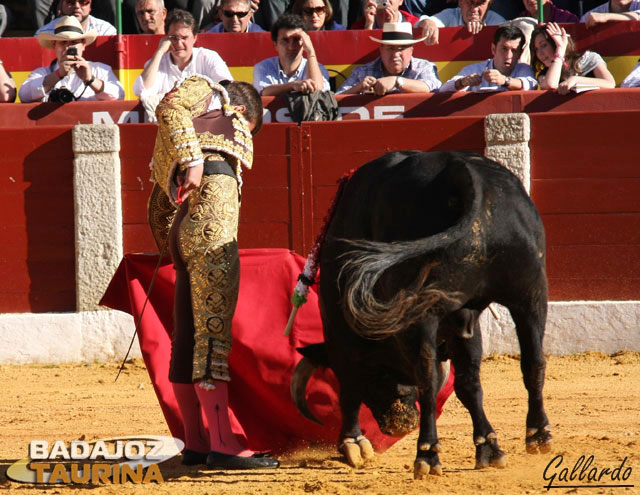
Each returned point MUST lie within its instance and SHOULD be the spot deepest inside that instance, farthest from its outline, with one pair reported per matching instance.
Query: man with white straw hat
(70, 77)
(81, 10)
(395, 70)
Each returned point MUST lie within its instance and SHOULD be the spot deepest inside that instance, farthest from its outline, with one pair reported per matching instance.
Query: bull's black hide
(419, 245)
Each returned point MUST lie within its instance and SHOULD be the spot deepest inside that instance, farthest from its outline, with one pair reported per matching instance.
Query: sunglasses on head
(314, 10)
(231, 13)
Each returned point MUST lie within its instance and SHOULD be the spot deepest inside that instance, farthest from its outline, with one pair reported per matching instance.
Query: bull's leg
(353, 444)
(427, 459)
(530, 324)
(466, 356)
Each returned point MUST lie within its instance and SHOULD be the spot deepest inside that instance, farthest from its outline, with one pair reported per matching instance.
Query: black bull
(419, 245)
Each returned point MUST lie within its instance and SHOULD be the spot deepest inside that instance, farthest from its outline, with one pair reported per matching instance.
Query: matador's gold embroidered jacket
(187, 129)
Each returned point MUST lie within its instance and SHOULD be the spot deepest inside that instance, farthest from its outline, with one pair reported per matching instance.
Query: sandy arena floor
(593, 402)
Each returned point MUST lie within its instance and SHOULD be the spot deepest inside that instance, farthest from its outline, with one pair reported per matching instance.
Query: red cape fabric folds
(262, 360)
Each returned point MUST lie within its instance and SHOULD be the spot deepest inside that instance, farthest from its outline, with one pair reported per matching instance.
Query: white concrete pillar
(98, 210)
(507, 142)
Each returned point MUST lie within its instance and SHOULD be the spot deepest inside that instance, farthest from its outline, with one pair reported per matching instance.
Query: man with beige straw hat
(70, 77)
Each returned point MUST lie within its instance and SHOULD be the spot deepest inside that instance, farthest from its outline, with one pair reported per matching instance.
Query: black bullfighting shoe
(217, 460)
(193, 458)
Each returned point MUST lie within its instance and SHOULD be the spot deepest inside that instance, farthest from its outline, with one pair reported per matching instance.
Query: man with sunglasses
(236, 18)
(176, 59)
(81, 10)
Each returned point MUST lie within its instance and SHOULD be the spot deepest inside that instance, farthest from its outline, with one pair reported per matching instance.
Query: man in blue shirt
(395, 70)
(503, 72)
(290, 71)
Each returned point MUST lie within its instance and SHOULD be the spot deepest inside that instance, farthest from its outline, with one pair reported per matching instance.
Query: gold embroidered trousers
(160, 213)
(204, 250)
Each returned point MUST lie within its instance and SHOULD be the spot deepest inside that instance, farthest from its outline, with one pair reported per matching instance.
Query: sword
(153, 280)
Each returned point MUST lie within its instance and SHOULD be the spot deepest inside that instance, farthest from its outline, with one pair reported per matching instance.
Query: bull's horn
(298, 387)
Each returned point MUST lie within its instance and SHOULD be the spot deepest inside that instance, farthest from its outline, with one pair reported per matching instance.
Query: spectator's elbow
(548, 85)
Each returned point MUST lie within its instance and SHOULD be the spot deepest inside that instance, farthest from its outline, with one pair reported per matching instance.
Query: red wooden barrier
(37, 255)
(585, 182)
(358, 107)
(586, 185)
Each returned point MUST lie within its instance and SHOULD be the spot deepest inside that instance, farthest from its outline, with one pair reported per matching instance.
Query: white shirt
(203, 62)
(633, 79)
(102, 27)
(453, 17)
(604, 9)
(32, 89)
(523, 72)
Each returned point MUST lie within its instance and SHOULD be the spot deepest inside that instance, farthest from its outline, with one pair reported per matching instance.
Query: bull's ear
(318, 354)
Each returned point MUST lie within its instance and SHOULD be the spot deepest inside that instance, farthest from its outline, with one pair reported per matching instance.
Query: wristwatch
(399, 82)
(507, 81)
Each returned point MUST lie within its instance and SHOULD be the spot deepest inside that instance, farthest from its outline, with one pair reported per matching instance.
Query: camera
(382, 4)
(72, 51)
(61, 95)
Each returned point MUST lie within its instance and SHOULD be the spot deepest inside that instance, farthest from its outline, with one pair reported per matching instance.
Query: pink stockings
(193, 401)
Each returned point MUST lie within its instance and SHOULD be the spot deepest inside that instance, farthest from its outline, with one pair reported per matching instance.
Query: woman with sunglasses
(317, 15)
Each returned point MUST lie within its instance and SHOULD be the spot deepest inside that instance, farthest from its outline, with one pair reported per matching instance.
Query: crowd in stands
(524, 55)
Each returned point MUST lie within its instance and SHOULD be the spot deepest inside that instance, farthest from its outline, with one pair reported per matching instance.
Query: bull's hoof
(539, 440)
(357, 451)
(489, 453)
(427, 462)
(421, 469)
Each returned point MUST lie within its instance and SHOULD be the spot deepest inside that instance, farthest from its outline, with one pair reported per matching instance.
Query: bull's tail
(375, 318)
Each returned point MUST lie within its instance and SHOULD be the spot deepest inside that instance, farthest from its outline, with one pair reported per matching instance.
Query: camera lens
(61, 95)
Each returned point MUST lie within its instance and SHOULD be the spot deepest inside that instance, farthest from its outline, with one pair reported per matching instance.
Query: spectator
(395, 70)
(236, 18)
(633, 79)
(613, 10)
(176, 59)
(317, 15)
(501, 73)
(7, 86)
(560, 66)
(377, 13)
(290, 71)
(151, 15)
(474, 14)
(82, 80)
(80, 9)
(551, 12)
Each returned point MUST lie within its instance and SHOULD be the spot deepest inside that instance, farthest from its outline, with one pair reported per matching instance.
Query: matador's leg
(209, 247)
